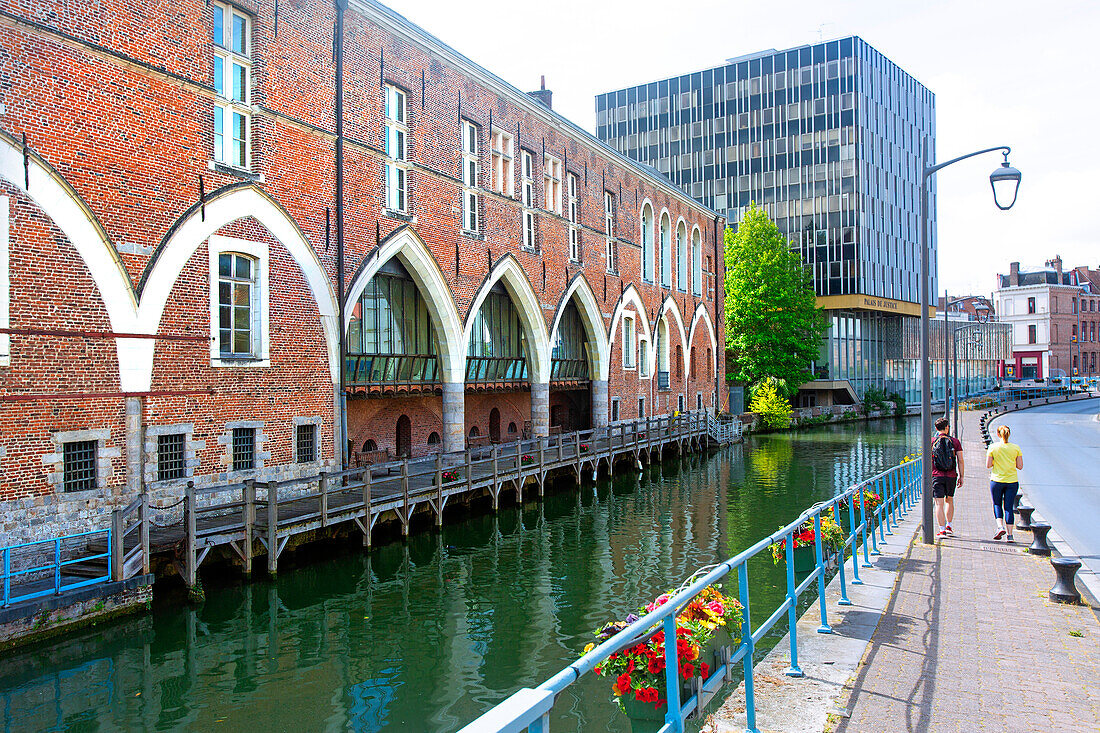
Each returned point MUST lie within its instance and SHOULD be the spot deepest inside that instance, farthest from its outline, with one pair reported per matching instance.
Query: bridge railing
(53, 566)
(529, 708)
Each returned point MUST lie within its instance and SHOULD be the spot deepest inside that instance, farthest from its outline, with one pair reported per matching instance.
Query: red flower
(655, 666)
(630, 665)
(706, 669)
(687, 669)
(622, 684)
(641, 695)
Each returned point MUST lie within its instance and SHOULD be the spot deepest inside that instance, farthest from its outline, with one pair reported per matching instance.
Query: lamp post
(1004, 181)
(982, 318)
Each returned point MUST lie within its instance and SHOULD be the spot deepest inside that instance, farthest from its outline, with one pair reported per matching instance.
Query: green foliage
(773, 327)
(899, 403)
(772, 407)
(873, 399)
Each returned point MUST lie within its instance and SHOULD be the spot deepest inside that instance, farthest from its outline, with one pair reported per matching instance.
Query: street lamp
(1004, 181)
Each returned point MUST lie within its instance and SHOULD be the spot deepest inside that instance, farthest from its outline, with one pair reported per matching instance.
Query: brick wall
(117, 106)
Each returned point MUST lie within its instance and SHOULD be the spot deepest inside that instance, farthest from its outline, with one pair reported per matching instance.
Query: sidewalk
(969, 640)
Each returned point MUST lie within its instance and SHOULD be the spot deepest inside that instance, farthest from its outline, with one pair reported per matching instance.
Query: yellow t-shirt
(1004, 462)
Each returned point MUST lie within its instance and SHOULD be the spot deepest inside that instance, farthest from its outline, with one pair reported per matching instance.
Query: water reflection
(429, 635)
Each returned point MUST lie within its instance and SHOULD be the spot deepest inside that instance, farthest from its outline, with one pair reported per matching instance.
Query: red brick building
(168, 257)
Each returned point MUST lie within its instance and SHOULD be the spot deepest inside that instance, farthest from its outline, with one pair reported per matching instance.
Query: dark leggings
(1004, 499)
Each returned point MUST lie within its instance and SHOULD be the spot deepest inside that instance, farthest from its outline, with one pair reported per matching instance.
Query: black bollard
(1024, 521)
(1016, 506)
(1064, 590)
(1039, 544)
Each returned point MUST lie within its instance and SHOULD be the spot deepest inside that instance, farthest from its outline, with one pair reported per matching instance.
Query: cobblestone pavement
(970, 641)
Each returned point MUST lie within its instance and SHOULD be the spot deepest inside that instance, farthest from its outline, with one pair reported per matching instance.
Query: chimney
(1014, 274)
(1058, 267)
(544, 95)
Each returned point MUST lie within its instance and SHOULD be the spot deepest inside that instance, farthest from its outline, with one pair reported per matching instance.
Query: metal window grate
(80, 465)
(307, 443)
(244, 449)
(170, 457)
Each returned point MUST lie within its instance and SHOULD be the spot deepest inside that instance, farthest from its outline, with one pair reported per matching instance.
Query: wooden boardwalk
(258, 518)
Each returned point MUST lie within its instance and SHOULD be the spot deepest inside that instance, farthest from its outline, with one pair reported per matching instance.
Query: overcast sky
(1023, 74)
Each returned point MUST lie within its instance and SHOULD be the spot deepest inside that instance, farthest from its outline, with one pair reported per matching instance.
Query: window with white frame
(666, 250)
(647, 242)
(469, 176)
(697, 262)
(609, 227)
(527, 194)
(397, 133)
(573, 212)
(238, 302)
(681, 257)
(503, 170)
(552, 171)
(232, 84)
(628, 342)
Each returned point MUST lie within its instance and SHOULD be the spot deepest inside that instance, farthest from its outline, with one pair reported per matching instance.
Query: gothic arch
(195, 227)
(703, 316)
(629, 297)
(508, 271)
(669, 306)
(589, 309)
(405, 244)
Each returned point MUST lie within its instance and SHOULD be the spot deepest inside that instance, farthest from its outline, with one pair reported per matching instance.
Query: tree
(773, 327)
(773, 408)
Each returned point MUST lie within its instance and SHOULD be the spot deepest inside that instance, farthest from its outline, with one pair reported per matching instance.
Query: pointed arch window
(569, 355)
(497, 351)
(391, 340)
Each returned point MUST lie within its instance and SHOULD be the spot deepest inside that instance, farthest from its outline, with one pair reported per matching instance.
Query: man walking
(947, 475)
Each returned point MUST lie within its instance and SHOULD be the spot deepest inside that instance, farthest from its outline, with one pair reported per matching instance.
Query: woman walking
(1004, 459)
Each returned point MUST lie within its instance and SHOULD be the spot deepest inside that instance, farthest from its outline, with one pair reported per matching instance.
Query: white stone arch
(589, 309)
(511, 274)
(410, 250)
(669, 306)
(702, 316)
(631, 297)
(222, 209)
(681, 256)
(57, 200)
(126, 312)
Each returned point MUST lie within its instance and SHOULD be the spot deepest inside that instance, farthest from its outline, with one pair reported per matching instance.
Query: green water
(427, 636)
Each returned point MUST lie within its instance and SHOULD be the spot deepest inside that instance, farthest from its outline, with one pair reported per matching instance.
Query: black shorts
(943, 486)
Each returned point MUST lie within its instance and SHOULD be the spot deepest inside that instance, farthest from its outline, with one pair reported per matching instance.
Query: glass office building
(827, 139)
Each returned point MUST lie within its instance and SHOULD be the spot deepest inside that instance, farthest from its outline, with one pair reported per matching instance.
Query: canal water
(429, 635)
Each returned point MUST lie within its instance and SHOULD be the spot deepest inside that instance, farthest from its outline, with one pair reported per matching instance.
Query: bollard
(1039, 544)
(1064, 590)
(1016, 506)
(1024, 520)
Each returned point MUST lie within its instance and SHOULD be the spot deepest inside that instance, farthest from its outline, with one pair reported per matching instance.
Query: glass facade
(497, 351)
(390, 338)
(827, 138)
(569, 357)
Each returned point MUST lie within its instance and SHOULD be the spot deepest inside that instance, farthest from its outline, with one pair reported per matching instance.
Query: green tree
(773, 327)
(772, 407)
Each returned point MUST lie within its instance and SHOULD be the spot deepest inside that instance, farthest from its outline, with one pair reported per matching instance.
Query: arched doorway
(570, 372)
(404, 436)
(494, 425)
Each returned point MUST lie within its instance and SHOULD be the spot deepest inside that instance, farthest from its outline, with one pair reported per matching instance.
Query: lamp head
(1006, 184)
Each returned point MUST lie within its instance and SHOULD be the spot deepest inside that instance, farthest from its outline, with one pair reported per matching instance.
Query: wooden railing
(242, 514)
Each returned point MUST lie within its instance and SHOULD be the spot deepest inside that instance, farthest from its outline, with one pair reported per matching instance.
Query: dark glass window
(80, 465)
(568, 359)
(1031, 334)
(1031, 305)
(171, 462)
(236, 290)
(244, 449)
(497, 350)
(306, 443)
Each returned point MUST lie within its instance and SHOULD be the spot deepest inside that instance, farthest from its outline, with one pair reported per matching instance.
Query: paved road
(1061, 476)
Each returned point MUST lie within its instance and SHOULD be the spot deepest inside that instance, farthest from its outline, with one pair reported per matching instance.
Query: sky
(1022, 74)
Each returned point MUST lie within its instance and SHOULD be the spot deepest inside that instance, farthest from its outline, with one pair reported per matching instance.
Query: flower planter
(645, 717)
(805, 559)
(710, 653)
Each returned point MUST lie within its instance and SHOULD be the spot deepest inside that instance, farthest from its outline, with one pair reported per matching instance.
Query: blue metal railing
(1014, 394)
(32, 581)
(529, 708)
